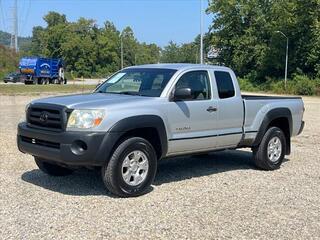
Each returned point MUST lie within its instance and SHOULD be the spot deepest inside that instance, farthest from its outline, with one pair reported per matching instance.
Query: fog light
(79, 147)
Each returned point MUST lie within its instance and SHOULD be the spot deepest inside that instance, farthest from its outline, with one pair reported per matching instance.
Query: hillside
(24, 42)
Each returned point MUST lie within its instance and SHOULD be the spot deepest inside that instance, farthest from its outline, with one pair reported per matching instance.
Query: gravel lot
(219, 197)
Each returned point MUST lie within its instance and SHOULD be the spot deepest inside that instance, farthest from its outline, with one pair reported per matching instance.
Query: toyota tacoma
(143, 114)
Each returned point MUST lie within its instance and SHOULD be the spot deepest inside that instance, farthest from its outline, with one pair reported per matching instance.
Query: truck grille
(48, 117)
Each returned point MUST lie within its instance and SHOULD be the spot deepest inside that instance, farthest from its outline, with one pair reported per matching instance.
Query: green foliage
(244, 32)
(299, 85)
(8, 61)
(185, 53)
(87, 49)
(247, 85)
(302, 85)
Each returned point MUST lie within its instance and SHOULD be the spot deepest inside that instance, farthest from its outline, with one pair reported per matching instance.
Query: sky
(153, 21)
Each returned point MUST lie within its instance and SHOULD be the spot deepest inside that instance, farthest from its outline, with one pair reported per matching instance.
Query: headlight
(27, 107)
(85, 119)
(24, 118)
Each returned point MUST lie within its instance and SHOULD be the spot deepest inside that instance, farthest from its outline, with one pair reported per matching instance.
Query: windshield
(148, 82)
(12, 74)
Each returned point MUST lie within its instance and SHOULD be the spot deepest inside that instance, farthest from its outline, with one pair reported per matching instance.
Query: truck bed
(259, 105)
(263, 97)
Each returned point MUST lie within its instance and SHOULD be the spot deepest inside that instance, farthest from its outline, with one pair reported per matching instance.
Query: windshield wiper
(106, 92)
(130, 93)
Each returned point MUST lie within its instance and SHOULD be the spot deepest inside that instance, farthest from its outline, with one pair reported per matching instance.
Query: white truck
(143, 114)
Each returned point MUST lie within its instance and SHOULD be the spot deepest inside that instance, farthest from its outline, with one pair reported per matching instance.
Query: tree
(130, 46)
(79, 48)
(244, 33)
(87, 49)
(108, 53)
(54, 18)
(147, 54)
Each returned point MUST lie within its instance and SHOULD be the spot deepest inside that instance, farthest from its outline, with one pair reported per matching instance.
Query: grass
(19, 89)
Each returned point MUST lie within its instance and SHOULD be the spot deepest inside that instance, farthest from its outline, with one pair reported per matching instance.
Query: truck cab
(211, 117)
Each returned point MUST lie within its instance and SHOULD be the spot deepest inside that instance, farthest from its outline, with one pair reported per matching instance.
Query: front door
(193, 122)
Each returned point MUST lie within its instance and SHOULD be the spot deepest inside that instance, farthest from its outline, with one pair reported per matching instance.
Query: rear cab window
(225, 84)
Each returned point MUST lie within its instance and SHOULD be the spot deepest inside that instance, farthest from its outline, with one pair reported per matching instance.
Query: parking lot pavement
(221, 196)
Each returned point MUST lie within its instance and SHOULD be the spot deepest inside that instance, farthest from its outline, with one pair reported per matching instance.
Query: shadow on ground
(86, 182)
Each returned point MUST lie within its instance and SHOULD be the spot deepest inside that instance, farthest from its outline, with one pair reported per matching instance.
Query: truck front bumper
(67, 148)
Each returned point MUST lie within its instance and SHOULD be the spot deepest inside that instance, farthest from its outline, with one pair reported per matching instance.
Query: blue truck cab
(37, 70)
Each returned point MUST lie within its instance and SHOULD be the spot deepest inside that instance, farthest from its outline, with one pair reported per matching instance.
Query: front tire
(131, 169)
(270, 153)
(52, 169)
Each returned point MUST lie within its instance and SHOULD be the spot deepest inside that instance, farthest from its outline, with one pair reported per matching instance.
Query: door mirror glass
(181, 94)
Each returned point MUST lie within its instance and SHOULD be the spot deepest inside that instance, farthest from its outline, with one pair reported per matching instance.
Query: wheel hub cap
(274, 149)
(135, 168)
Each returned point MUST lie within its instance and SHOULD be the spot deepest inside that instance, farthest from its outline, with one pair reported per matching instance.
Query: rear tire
(39, 81)
(52, 169)
(131, 169)
(270, 153)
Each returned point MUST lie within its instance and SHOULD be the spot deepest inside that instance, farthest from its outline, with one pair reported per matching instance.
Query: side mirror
(181, 94)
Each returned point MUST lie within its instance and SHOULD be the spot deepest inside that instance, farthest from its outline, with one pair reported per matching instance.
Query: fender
(269, 117)
(131, 123)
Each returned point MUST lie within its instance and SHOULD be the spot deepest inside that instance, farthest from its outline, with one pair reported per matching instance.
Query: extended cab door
(192, 122)
(230, 109)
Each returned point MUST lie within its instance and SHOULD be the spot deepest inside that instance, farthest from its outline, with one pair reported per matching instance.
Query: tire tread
(259, 157)
(108, 171)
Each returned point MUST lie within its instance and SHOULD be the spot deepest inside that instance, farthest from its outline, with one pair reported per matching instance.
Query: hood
(91, 100)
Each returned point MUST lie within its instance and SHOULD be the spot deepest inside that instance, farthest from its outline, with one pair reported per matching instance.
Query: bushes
(8, 61)
(247, 85)
(298, 85)
(302, 85)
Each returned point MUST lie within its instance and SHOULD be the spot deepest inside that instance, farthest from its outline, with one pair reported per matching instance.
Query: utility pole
(14, 34)
(287, 53)
(201, 33)
(121, 43)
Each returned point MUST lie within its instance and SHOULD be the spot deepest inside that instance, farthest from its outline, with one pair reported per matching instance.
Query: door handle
(212, 109)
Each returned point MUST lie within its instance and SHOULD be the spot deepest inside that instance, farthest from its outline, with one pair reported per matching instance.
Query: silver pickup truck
(143, 114)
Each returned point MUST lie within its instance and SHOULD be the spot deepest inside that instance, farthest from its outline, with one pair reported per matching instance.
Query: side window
(198, 82)
(224, 84)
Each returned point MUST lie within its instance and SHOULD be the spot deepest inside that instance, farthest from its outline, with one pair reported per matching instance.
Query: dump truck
(38, 70)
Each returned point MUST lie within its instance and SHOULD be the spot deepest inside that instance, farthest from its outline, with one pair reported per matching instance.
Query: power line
(24, 22)
(3, 17)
